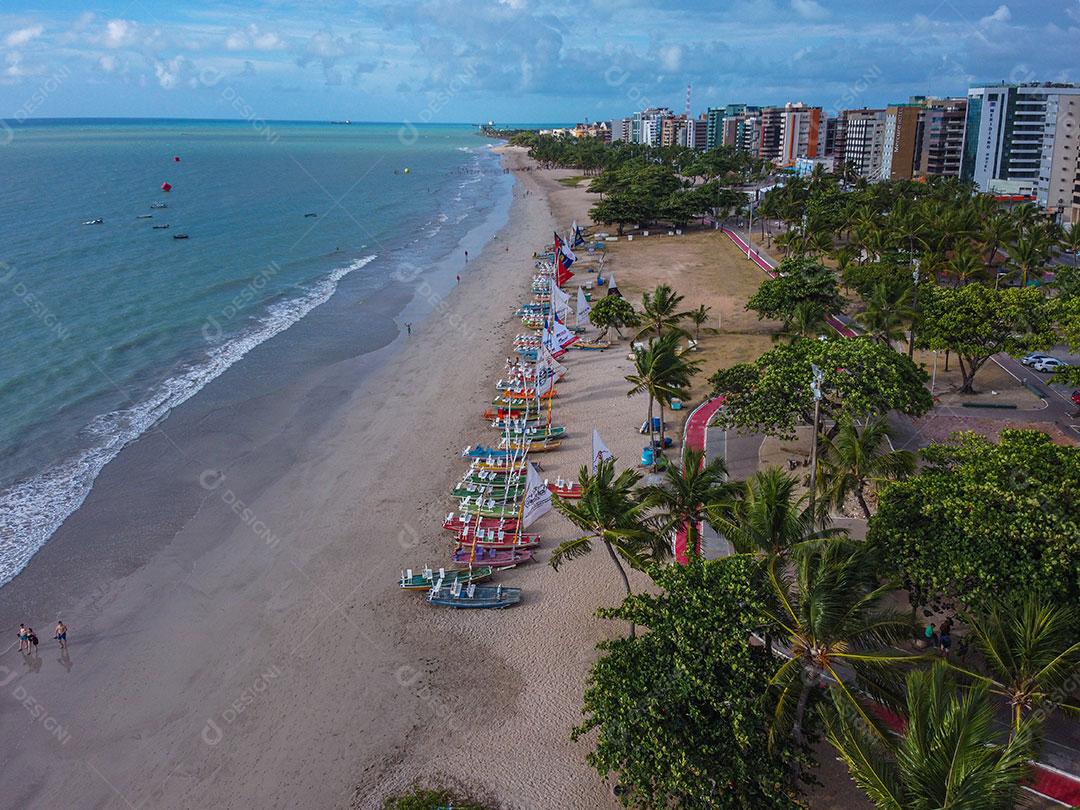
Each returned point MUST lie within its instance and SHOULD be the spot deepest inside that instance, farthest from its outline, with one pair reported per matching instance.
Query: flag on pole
(563, 336)
(562, 269)
(583, 307)
(547, 341)
(600, 450)
(568, 254)
(537, 497)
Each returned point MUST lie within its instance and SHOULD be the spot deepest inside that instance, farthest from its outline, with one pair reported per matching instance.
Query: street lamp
(914, 308)
(815, 388)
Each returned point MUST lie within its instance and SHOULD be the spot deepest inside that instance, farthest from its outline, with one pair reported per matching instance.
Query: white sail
(549, 342)
(600, 450)
(537, 498)
(583, 308)
(560, 300)
(563, 336)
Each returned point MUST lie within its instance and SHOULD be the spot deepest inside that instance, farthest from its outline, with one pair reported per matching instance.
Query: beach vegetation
(856, 461)
(660, 312)
(984, 518)
(662, 371)
(976, 322)
(862, 377)
(613, 312)
(678, 712)
(950, 754)
(611, 514)
(433, 798)
(801, 285)
(829, 613)
(687, 493)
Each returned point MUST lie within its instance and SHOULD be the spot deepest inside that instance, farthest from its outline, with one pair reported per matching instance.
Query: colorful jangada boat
(539, 446)
(471, 554)
(487, 507)
(497, 478)
(567, 490)
(537, 433)
(425, 579)
(473, 596)
(491, 492)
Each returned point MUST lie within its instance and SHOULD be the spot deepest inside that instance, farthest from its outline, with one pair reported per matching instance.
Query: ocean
(105, 327)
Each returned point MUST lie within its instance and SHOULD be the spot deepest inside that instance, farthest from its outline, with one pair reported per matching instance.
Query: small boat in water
(473, 596)
(145, 216)
(159, 205)
(160, 227)
(93, 222)
(312, 214)
(180, 236)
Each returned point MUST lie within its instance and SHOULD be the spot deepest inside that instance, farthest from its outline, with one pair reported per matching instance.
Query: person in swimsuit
(31, 640)
(24, 638)
(61, 634)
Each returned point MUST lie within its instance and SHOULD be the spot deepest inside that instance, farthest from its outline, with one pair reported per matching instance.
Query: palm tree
(609, 512)
(1032, 653)
(1028, 257)
(687, 493)
(829, 615)
(806, 320)
(997, 230)
(700, 317)
(662, 372)
(851, 461)
(1070, 241)
(765, 516)
(965, 265)
(949, 756)
(660, 311)
(888, 308)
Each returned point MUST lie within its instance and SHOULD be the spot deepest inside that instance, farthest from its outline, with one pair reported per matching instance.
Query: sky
(512, 60)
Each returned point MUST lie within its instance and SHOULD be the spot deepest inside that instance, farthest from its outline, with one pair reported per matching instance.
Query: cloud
(252, 38)
(809, 9)
(173, 72)
(119, 33)
(1001, 15)
(670, 57)
(21, 36)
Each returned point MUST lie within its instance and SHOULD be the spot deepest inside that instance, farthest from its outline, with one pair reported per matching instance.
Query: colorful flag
(600, 450)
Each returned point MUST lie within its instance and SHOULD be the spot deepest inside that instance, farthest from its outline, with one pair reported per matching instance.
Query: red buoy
(166, 187)
(176, 158)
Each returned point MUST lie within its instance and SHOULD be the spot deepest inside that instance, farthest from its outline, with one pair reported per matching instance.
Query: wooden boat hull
(492, 558)
(567, 493)
(420, 582)
(490, 598)
(588, 346)
(489, 493)
(538, 446)
(455, 524)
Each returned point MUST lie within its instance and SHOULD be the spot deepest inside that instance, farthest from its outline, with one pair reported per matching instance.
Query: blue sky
(511, 60)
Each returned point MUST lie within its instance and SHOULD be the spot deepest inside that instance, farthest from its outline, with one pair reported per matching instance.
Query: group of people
(941, 638)
(28, 640)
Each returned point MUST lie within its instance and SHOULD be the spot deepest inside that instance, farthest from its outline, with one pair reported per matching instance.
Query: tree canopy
(985, 518)
(799, 281)
(679, 710)
(862, 377)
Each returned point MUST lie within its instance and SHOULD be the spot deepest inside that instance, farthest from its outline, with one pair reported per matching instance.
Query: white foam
(31, 510)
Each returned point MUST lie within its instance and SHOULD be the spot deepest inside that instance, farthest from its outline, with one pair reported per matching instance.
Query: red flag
(562, 274)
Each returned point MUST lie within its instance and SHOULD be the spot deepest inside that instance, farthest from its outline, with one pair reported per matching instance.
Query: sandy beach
(246, 643)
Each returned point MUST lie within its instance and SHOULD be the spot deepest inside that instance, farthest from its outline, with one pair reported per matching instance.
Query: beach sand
(243, 642)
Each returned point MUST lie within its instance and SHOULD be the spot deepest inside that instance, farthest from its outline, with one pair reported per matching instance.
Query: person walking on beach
(459, 279)
(31, 639)
(24, 638)
(408, 329)
(61, 634)
(466, 257)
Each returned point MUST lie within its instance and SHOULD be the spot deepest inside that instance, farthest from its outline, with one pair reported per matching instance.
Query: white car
(1035, 357)
(1049, 365)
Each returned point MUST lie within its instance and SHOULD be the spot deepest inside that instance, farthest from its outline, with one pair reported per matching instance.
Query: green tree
(799, 281)
(662, 372)
(949, 756)
(765, 516)
(829, 613)
(1032, 653)
(660, 312)
(687, 493)
(976, 322)
(619, 208)
(613, 312)
(609, 513)
(854, 460)
(678, 711)
(700, 317)
(888, 308)
(862, 377)
(983, 518)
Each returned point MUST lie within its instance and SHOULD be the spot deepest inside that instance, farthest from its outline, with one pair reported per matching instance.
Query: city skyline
(512, 60)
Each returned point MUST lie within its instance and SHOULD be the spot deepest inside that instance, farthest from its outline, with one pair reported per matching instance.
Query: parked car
(1034, 358)
(1076, 397)
(1049, 365)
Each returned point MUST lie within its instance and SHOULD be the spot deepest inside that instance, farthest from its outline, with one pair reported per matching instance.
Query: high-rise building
(900, 141)
(701, 133)
(941, 138)
(714, 135)
(621, 130)
(770, 132)
(748, 134)
(864, 141)
(677, 130)
(835, 135)
(645, 126)
(1024, 139)
(800, 133)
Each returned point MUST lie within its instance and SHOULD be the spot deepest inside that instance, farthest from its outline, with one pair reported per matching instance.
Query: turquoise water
(106, 327)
